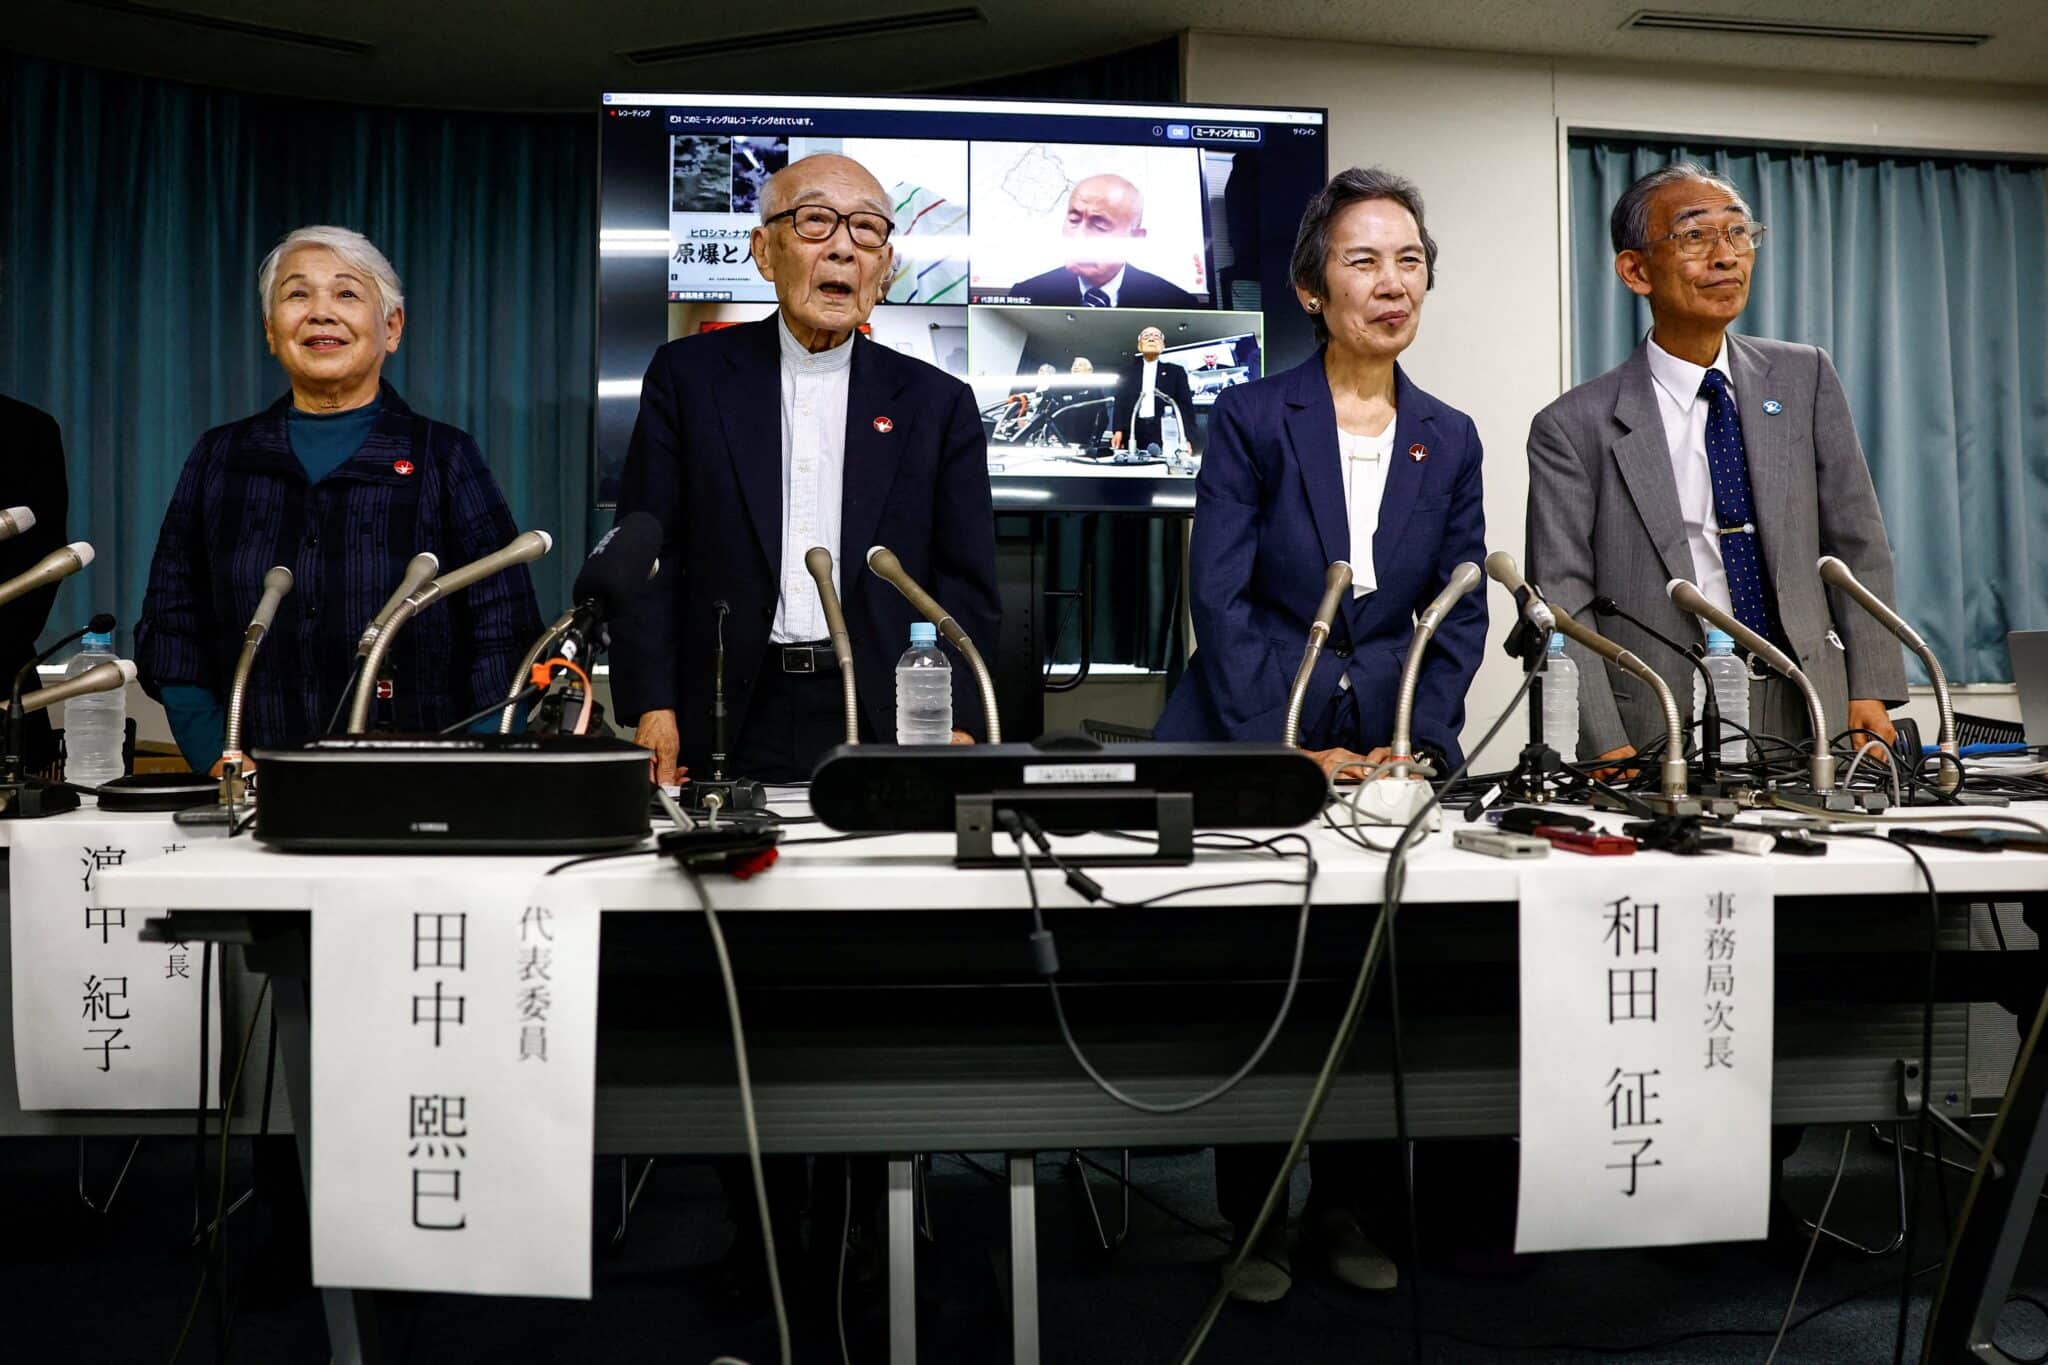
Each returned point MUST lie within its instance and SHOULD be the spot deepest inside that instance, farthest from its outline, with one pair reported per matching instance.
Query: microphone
(101, 624)
(718, 711)
(617, 567)
(521, 549)
(422, 566)
(1535, 609)
(883, 562)
(1837, 574)
(818, 560)
(1336, 582)
(16, 521)
(1710, 705)
(1821, 765)
(53, 567)
(99, 678)
(276, 584)
(1464, 578)
(1671, 773)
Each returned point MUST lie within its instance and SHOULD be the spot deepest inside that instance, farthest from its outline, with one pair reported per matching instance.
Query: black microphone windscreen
(619, 567)
(102, 624)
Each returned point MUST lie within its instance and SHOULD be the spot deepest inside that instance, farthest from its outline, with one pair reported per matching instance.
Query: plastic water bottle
(1561, 701)
(1731, 690)
(94, 725)
(924, 690)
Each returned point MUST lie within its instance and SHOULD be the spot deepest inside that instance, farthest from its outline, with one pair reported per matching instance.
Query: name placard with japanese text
(1646, 1037)
(102, 1020)
(454, 1071)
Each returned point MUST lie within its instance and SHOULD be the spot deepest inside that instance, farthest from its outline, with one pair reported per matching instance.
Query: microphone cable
(1340, 1045)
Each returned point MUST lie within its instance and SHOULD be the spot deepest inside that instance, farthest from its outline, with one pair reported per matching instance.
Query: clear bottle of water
(1731, 689)
(1561, 701)
(924, 690)
(94, 725)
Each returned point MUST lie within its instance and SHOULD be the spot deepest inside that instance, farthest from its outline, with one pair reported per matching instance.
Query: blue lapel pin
(1773, 406)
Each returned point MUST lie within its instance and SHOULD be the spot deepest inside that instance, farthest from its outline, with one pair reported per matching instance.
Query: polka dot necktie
(1748, 593)
(1095, 298)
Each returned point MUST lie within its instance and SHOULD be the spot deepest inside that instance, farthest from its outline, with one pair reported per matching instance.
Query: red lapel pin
(884, 425)
(403, 466)
(1418, 452)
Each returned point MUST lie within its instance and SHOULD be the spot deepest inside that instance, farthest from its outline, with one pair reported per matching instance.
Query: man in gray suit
(1728, 460)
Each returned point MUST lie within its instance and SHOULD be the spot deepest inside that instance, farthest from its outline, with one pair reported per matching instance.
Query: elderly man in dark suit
(1725, 459)
(1101, 210)
(1143, 388)
(757, 442)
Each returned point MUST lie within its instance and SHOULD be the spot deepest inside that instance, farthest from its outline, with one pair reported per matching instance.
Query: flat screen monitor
(1035, 242)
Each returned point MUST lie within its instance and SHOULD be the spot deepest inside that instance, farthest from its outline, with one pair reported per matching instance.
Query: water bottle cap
(93, 640)
(923, 633)
(1719, 641)
(1557, 642)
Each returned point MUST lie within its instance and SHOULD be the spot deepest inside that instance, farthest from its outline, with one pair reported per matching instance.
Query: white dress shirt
(1684, 413)
(813, 472)
(1148, 383)
(1365, 461)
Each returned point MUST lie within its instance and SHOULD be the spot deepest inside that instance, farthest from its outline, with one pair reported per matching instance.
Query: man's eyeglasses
(1696, 243)
(817, 223)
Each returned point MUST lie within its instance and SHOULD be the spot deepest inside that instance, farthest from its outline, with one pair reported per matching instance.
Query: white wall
(1480, 134)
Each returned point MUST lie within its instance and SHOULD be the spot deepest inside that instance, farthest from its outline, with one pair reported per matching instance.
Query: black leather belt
(816, 657)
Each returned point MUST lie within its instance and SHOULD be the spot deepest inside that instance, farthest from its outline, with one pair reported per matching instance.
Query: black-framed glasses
(1696, 243)
(817, 223)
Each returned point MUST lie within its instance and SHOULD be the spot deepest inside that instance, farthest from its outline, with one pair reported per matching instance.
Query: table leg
(1024, 1258)
(351, 1322)
(902, 1264)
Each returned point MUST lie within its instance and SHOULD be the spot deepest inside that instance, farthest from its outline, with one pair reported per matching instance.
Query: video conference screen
(1061, 258)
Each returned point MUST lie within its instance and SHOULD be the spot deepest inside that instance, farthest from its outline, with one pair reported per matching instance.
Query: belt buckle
(798, 659)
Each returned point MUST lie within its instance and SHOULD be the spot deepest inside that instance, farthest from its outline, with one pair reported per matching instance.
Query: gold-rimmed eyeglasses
(1695, 243)
(817, 223)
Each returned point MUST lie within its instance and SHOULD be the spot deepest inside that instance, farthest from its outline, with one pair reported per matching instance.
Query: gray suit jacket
(1604, 521)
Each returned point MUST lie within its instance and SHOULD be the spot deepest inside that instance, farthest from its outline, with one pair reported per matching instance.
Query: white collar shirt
(1684, 415)
(1148, 384)
(814, 388)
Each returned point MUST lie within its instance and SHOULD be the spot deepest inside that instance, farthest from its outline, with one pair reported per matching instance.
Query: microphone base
(213, 816)
(1672, 805)
(1397, 800)
(35, 800)
(1842, 802)
(1538, 774)
(733, 796)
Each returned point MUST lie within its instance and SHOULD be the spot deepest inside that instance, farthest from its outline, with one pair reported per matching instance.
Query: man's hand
(1868, 714)
(657, 731)
(1348, 765)
(962, 737)
(1617, 772)
(1116, 440)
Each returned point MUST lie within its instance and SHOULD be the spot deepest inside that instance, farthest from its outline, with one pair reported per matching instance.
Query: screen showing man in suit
(1725, 459)
(1147, 392)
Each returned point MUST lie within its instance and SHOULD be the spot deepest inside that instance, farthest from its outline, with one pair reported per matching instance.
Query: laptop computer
(2029, 653)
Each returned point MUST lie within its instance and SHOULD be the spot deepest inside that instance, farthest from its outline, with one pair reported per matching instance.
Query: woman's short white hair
(356, 251)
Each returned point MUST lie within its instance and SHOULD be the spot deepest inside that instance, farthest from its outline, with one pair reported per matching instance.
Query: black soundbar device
(1068, 784)
(468, 794)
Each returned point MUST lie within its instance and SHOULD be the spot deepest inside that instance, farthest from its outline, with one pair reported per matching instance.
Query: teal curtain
(133, 215)
(1926, 278)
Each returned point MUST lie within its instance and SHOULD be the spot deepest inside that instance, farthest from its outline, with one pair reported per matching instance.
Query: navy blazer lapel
(1644, 458)
(874, 434)
(1414, 425)
(1312, 432)
(1766, 441)
(750, 411)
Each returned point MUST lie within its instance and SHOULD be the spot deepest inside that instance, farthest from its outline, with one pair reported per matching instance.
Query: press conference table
(891, 1007)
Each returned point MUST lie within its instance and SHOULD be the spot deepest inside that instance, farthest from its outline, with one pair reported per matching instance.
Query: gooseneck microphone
(818, 560)
(1336, 582)
(718, 711)
(883, 562)
(276, 584)
(521, 549)
(1837, 574)
(1821, 765)
(418, 570)
(1671, 773)
(53, 567)
(1535, 609)
(615, 570)
(1710, 705)
(1464, 578)
(16, 521)
(105, 677)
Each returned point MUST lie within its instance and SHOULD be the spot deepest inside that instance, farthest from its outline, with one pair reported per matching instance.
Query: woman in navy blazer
(1341, 457)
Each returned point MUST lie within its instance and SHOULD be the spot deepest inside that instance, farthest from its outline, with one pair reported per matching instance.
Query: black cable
(601, 857)
(525, 694)
(1347, 1030)
(347, 691)
(1926, 1074)
(1046, 956)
